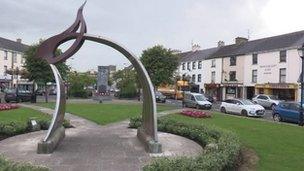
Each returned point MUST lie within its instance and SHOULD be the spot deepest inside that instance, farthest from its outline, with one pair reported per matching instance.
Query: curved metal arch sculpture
(147, 133)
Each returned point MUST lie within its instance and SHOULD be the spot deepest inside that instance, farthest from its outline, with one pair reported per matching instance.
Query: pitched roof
(196, 55)
(284, 41)
(12, 45)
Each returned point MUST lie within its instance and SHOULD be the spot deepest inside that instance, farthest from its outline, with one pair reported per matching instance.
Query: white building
(263, 66)
(11, 57)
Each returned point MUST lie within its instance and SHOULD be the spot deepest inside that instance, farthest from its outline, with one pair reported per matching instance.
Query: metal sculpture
(147, 133)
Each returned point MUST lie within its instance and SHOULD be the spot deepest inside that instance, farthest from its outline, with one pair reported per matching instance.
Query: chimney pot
(220, 43)
(195, 47)
(19, 40)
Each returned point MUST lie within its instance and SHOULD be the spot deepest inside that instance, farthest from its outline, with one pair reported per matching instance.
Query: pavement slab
(89, 146)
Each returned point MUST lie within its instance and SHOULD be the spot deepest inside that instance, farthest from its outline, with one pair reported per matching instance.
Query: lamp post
(301, 54)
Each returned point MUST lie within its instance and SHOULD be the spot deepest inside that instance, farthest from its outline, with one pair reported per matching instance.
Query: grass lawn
(279, 146)
(20, 115)
(105, 113)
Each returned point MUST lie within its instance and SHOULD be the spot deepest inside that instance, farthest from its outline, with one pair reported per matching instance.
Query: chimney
(220, 43)
(240, 40)
(19, 40)
(195, 47)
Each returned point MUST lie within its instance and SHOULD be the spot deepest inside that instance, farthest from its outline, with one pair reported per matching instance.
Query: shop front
(232, 90)
(284, 91)
(213, 90)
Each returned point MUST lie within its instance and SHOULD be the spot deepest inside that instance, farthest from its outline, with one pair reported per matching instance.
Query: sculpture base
(47, 147)
(151, 146)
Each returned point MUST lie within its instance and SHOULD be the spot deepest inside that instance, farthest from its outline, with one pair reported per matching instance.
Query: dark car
(17, 96)
(286, 111)
(160, 97)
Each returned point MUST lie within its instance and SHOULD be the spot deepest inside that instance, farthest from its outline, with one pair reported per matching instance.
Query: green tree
(160, 63)
(127, 82)
(39, 71)
(79, 82)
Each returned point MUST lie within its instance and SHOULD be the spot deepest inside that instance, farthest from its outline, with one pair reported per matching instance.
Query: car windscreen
(247, 102)
(200, 98)
(11, 91)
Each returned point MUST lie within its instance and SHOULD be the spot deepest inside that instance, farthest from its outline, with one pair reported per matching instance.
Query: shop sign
(267, 69)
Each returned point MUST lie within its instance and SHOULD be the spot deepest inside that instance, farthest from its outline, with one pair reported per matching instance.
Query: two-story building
(11, 57)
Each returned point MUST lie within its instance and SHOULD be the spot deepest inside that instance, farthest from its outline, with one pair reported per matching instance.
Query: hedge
(15, 128)
(6, 165)
(221, 148)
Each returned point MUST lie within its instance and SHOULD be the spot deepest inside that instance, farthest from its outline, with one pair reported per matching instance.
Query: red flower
(196, 113)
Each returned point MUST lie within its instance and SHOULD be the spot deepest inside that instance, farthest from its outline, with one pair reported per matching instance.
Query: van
(196, 100)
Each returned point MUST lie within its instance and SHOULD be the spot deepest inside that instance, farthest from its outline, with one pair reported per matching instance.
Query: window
(283, 56)
(254, 59)
(188, 66)
(193, 78)
(262, 97)
(193, 65)
(232, 60)
(254, 76)
(14, 55)
(232, 76)
(212, 76)
(183, 66)
(199, 78)
(282, 75)
(213, 63)
(5, 55)
(199, 65)
(5, 69)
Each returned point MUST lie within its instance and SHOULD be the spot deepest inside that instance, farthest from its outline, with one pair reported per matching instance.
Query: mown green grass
(21, 115)
(105, 113)
(278, 146)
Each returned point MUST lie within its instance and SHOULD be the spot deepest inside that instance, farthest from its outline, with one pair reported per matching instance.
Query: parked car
(196, 100)
(286, 111)
(243, 107)
(209, 98)
(160, 97)
(268, 101)
(14, 95)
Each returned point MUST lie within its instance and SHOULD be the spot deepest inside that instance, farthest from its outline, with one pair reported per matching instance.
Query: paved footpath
(92, 147)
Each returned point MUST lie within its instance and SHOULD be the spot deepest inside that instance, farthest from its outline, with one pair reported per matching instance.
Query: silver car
(267, 101)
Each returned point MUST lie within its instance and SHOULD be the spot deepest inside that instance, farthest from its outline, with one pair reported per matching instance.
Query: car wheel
(277, 118)
(244, 113)
(7, 101)
(223, 110)
(273, 106)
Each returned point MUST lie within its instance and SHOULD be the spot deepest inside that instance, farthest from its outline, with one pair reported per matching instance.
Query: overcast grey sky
(139, 24)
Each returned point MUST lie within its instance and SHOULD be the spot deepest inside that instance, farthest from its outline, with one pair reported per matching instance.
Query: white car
(243, 107)
(268, 101)
(196, 100)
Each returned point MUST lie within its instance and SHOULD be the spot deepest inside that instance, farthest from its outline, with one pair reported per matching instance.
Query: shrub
(7, 165)
(221, 148)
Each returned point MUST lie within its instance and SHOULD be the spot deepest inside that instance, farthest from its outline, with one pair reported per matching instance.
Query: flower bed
(7, 106)
(196, 113)
(221, 148)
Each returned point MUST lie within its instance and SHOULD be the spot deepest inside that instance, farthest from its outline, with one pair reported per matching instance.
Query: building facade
(11, 58)
(241, 70)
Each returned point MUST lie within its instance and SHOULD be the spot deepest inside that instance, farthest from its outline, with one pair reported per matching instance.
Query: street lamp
(301, 54)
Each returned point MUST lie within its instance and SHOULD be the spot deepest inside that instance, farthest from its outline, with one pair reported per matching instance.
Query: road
(216, 107)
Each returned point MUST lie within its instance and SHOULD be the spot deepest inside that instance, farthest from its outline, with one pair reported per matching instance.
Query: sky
(140, 24)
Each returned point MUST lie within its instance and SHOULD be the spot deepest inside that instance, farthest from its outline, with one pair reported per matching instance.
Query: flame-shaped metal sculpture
(147, 133)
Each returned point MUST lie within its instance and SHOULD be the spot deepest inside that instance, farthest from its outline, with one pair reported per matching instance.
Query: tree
(39, 71)
(78, 82)
(127, 82)
(160, 63)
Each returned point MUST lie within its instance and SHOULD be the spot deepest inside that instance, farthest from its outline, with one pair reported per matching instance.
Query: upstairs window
(254, 76)
(199, 65)
(232, 60)
(199, 78)
(283, 56)
(14, 55)
(188, 66)
(193, 78)
(193, 65)
(5, 55)
(183, 66)
(5, 70)
(283, 75)
(254, 59)
(213, 77)
(232, 76)
(213, 63)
